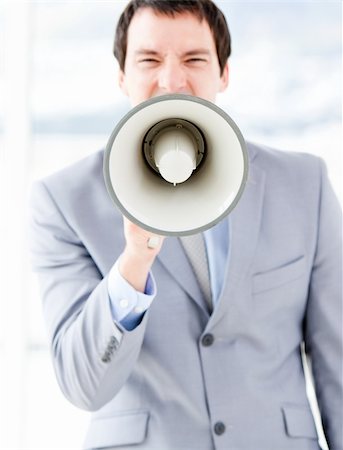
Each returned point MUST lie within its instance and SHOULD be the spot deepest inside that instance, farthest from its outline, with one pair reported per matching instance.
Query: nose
(172, 78)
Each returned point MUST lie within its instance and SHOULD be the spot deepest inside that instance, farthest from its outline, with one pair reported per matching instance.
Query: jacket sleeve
(92, 355)
(323, 322)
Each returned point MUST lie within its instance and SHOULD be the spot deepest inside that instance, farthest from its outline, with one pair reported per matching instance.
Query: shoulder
(76, 174)
(284, 166)
(74, 186)
(290, 178)
(268, 158)
(82, 173)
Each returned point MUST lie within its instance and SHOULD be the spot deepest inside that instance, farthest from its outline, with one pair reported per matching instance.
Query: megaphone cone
(176, 165)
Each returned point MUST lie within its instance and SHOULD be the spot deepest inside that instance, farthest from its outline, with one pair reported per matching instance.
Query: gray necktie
(196, 252)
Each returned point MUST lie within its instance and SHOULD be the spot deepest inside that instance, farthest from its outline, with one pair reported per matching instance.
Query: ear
(122, 82)
(224, 79)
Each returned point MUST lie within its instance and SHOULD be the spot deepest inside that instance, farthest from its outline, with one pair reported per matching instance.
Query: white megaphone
(176, 165)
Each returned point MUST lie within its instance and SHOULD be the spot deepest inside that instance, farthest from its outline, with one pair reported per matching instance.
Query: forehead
(150, 28)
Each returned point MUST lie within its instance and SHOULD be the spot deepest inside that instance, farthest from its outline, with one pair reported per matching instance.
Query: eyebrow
(198, 51)
(144, 51)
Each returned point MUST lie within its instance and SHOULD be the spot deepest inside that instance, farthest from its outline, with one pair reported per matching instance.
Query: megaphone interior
(176, 165)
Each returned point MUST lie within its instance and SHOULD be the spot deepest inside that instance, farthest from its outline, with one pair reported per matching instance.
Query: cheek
(208, 81)
(142, 82)
(207, 89)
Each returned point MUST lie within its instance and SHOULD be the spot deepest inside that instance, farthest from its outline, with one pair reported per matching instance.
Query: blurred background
(59, 102)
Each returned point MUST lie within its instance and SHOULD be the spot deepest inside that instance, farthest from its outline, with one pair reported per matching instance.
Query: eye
(196, 61)
(148, 61)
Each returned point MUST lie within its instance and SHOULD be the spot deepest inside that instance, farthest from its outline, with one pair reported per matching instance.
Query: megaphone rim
(164, 98)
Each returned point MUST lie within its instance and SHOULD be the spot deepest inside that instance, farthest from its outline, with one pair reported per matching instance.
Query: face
(170, 55)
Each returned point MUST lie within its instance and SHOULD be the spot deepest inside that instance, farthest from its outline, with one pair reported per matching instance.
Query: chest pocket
(275, 278)
(117, 430)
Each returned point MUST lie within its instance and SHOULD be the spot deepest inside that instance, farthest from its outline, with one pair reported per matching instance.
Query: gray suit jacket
(183, 379)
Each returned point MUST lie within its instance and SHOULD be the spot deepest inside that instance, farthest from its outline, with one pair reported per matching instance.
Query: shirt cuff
(125, 300)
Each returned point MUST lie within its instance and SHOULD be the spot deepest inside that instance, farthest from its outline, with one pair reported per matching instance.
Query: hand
(137, 258)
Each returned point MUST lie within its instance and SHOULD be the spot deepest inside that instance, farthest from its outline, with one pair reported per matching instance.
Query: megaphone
(176, 165)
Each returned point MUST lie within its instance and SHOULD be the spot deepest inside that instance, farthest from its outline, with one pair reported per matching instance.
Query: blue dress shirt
(129, 305)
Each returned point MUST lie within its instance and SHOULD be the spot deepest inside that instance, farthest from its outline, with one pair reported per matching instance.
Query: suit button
(207, 340)
(219, 428)
(106, 357)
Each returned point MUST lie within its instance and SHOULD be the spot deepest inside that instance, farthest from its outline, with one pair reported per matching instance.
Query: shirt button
(138, 309)
(207, 340)
(219, 428)
(124, 303)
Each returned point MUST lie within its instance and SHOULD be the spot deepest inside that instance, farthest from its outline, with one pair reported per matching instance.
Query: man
(132, 337)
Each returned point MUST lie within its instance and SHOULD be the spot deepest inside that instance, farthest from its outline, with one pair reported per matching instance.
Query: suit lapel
(174, 259)
(245, 223)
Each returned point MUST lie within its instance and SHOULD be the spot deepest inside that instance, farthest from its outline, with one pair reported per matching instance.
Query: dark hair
(203, 9)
